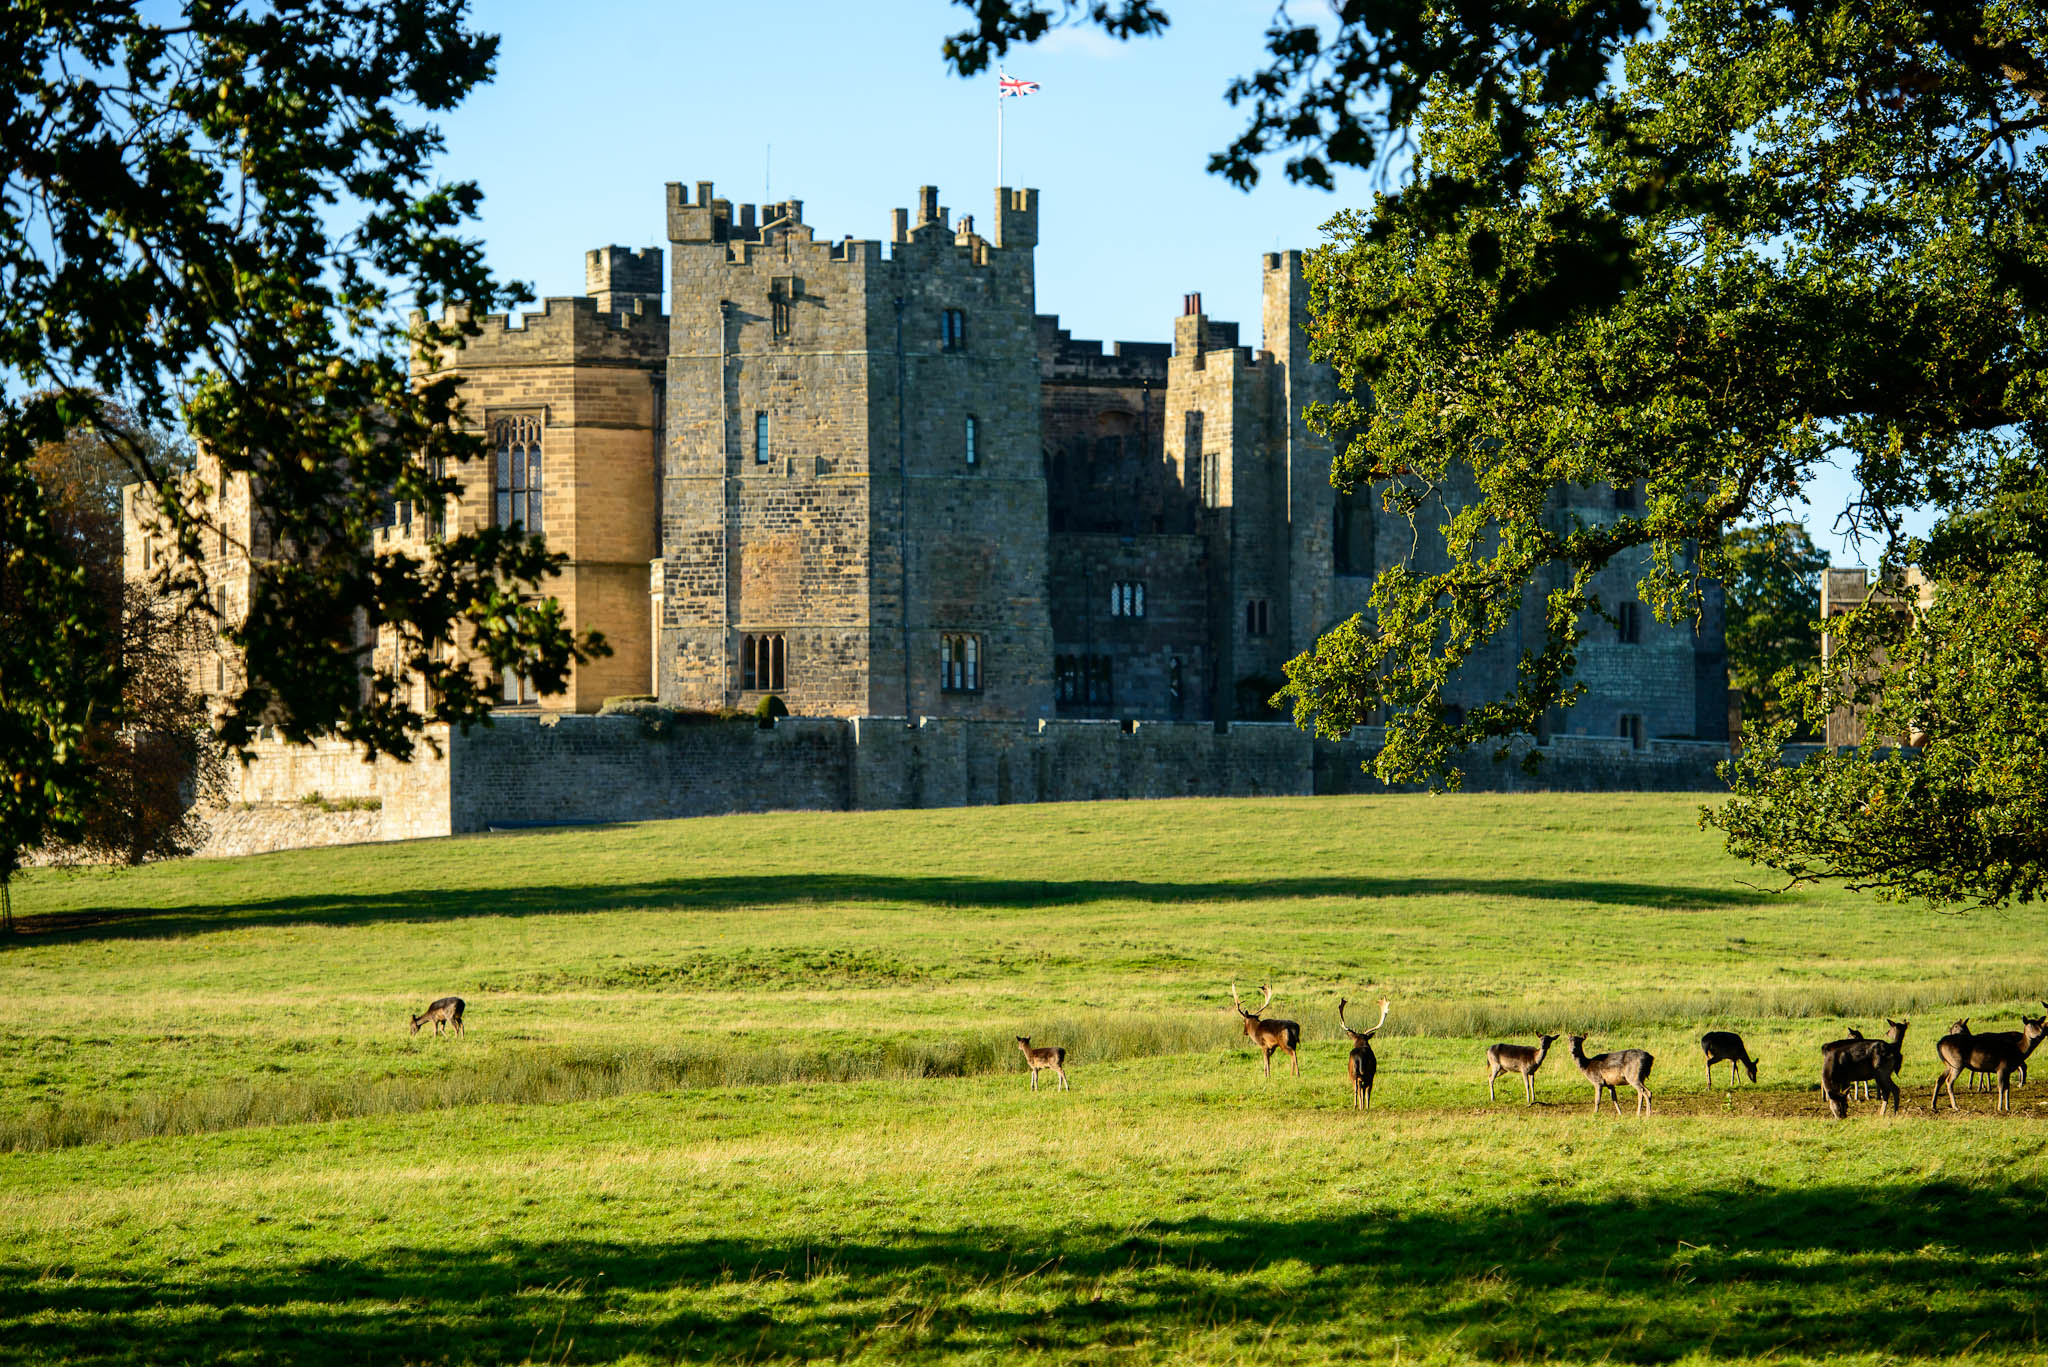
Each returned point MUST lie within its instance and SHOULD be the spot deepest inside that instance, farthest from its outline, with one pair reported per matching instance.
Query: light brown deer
(1363, 1064)
(1044, 1056)
(1517, 1058)
(441, 1014)
(1269, 1034)
(1608, 1071)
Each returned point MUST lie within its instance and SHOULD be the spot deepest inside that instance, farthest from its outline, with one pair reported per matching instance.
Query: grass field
(743, 1089)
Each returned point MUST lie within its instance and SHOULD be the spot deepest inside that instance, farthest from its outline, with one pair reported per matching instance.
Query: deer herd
(1846, 1065)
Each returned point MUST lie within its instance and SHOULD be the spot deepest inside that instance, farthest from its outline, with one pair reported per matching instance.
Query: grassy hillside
(225, 1143)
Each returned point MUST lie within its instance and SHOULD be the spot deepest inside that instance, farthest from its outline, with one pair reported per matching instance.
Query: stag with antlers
(1363, 1064)
(1269, 1034)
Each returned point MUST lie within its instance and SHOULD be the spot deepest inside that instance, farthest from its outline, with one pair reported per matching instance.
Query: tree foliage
(1702, 249)
(1773, 616)
(222, 214)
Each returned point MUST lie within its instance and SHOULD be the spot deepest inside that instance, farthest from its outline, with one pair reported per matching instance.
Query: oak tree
(224, 216)
(1702, 246)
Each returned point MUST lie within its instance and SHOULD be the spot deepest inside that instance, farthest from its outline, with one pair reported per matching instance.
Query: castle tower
(569, 401)
(853, 498)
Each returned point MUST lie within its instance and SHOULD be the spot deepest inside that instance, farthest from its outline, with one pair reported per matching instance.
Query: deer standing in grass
(1725, 1046)
(1517, 1058)
(1270, 1034)
(1363, 1064)
(1044, 1056)
(2000, 1052)
(441, 1014)
(1608, 1071)
(1846, 1061)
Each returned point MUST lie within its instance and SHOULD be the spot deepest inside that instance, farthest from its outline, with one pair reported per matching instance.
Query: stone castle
(871, 478)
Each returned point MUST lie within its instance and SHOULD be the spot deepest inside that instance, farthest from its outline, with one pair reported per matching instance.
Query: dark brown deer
(1846, 1061)
(441, 1014)
(1270, 1034)
(1999, 1052)
(1517, 1058)
(1725, 1046)
(1043, 1056)
(1608, 1071)
(1363, 1065)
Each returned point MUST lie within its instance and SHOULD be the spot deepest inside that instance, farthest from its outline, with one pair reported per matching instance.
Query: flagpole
(999, 128)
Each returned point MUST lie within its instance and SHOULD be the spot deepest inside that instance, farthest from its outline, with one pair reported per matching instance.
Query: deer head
(1898, 1029)
(1360, 1036)
(1961, 1027)
(1251, 1018)
(416, 1023)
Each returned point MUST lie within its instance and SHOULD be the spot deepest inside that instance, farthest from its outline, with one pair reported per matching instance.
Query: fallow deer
(1270, 1034)
(1044, 1056)
(1517, 1058)
(441, 1014)
(1607, 1071)
(1363, 1065)
(1725, 1046)
(1999, 1052)
(1845, 1061)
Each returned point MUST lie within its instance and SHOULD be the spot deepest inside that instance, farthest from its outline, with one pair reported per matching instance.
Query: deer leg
(1368, 1100)
(1064, 1085)
(1034, 1079)
(1294, 1057)
(1490, 1076)
(1269, 1058)
(1529, 1087)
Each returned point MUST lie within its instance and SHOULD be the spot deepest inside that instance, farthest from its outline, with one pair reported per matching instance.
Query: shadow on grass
(1734, 1272)
(757, 890)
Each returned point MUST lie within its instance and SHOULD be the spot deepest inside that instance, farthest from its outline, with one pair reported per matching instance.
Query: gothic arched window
(515, 472)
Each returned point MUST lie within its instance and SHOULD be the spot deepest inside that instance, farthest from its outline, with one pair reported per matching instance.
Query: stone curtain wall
(568, 769)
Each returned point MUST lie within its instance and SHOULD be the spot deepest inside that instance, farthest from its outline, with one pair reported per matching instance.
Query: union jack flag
(1011, 85)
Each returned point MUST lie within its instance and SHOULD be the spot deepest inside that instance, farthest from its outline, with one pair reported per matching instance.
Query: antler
(1236, 1003)
(1383, 1013)
(1269, 997)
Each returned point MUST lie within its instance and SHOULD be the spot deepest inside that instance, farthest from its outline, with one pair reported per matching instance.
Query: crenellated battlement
(700, 215)
(568, 329)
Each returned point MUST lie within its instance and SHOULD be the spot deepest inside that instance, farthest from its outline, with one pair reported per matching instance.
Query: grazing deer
(1363, 1064)
(1044, 1056)
(441, 1014)
(2000, 1052)
(1725, 1046)
(1846, 1061)
(1608, 1071)
(1517, 1058)
(1270, 1034)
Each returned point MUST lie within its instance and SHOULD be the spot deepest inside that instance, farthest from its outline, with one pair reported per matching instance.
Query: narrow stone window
(1632, 730)
(515, 473)
(953, 330)
(960, 663)
(1127, 598)
(1257, 621)
(1351, 548)
(1066, 679)
(1629, 623)
(973, 440)
(1099, 682)
(760, 438)
(762, 662)
(782, 305)
(518, 688)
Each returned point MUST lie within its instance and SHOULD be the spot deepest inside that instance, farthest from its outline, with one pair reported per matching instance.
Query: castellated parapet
(853, 494)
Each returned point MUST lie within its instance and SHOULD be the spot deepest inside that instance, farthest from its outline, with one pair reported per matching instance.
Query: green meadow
(744, 1089)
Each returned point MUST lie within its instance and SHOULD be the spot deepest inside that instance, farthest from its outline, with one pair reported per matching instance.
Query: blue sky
(598, 105)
